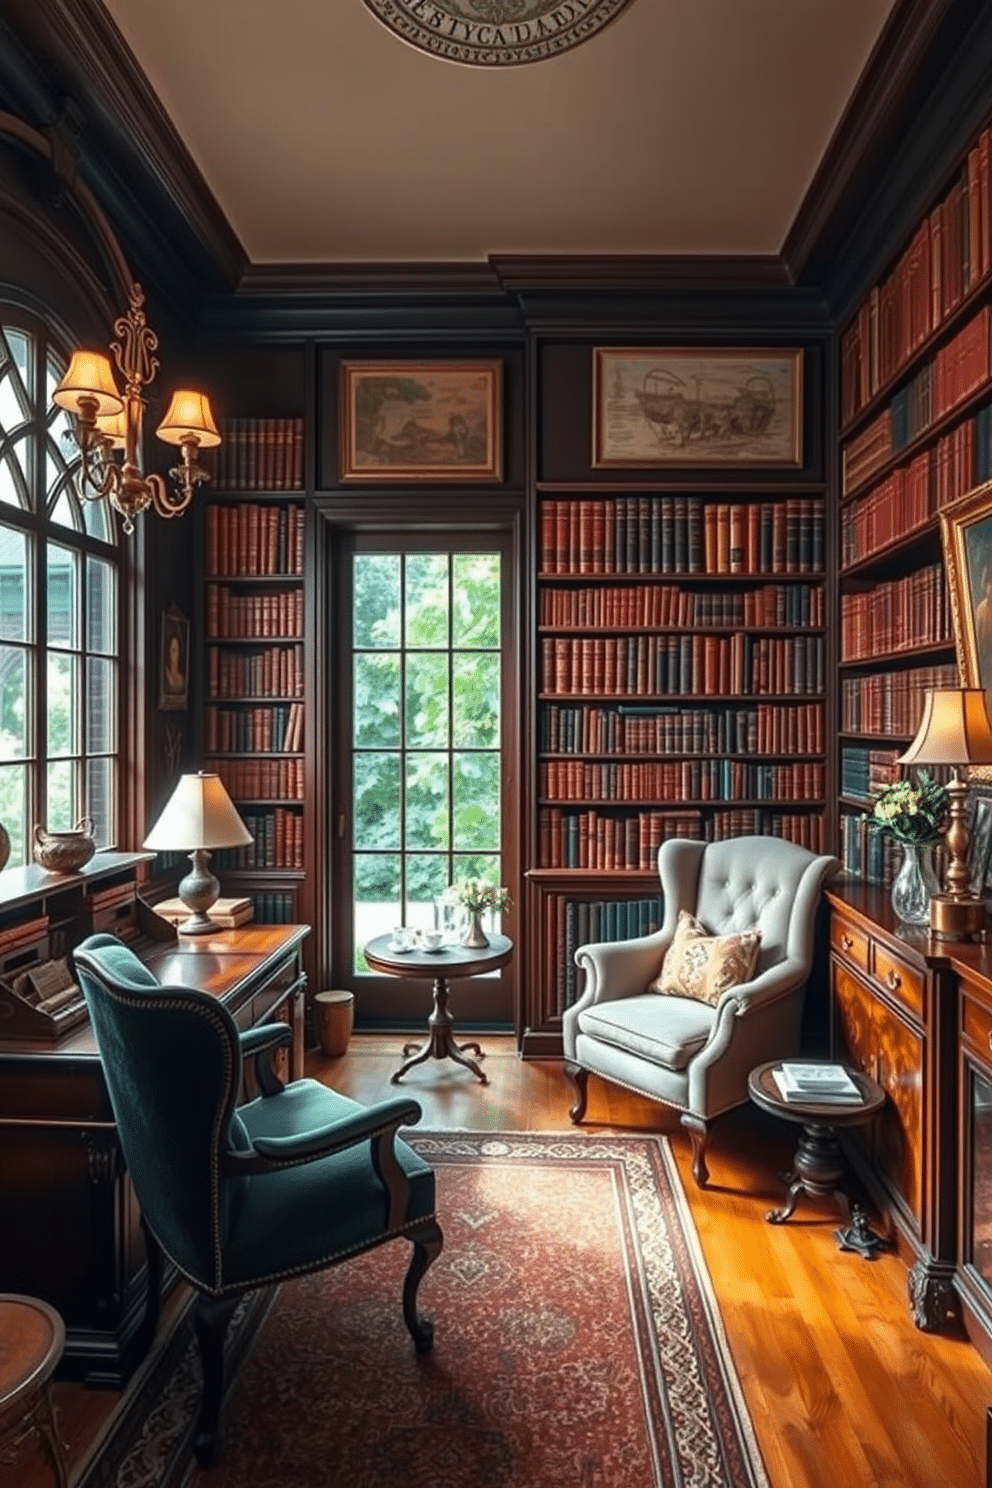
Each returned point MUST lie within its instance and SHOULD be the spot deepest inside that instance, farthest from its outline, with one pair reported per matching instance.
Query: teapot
(65, 852)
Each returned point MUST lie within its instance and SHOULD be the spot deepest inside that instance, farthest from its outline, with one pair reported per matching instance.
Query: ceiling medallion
(495, 33)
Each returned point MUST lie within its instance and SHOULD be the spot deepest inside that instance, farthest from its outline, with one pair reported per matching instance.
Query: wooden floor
(843, 1390)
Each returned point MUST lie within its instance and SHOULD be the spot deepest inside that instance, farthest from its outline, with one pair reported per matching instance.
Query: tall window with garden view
(426, 680)
(59, 588)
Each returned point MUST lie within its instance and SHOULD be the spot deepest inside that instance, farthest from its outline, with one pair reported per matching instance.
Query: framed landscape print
(966, 530)
(421, 421)
(696, 407)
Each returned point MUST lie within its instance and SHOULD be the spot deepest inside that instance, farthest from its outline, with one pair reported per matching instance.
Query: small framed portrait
(980, 847)
(173, 690)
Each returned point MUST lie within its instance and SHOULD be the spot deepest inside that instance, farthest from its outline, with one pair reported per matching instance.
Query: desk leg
(440, 1044)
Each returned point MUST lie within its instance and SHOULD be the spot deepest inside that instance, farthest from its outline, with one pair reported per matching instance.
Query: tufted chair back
(743, 883)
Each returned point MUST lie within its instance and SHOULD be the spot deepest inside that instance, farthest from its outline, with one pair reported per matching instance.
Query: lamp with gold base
(955, 730)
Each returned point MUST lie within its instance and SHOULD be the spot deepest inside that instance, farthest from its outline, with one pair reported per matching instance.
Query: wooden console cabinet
(71, 1232)
(893, 1015)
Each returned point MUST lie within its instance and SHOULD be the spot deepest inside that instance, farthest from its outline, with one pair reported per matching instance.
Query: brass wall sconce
(106, 421)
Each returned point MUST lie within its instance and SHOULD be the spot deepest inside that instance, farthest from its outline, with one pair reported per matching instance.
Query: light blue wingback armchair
(242, 1196)
(685, 1053)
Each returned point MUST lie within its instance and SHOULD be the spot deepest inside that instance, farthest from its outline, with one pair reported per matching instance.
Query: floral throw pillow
(704, 966)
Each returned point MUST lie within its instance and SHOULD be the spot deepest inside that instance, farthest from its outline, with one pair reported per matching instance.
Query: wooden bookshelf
(254, 711)
(681, 691)
(916, 405)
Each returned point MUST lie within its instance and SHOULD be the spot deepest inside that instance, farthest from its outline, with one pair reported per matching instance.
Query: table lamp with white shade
(956, 730)
(198, 817)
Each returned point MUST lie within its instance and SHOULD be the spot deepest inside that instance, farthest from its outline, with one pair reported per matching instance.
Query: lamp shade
(955, 730)
(198, 814)
(89, 376)
(189, 417)
(113, 426)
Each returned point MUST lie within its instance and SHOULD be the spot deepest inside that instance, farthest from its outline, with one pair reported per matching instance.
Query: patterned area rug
(577, 1342)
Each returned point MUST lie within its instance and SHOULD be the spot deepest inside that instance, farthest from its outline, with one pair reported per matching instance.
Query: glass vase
(915, 884)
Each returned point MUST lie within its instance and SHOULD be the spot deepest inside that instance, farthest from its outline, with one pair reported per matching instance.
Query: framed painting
(966, 532)
(173, 688)
(421, 421)
(666, 406)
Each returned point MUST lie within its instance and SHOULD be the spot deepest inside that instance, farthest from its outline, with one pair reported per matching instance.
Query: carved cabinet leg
(578, 1078)
(932, 1298)
(699, 1132)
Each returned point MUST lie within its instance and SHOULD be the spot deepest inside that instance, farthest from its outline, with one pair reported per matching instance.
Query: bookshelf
(681, 691)
(254, 709)
(916, 408)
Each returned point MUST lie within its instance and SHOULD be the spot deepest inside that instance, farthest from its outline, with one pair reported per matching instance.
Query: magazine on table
(819, 1083)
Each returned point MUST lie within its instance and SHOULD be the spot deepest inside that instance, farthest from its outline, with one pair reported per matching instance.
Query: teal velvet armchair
(240, 1197)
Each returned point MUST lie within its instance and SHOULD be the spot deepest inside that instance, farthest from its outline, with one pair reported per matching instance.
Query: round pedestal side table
(819, 1165)
(32, 1337)
(442, 966)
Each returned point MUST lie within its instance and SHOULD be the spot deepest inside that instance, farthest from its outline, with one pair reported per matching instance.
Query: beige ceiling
(684, 127)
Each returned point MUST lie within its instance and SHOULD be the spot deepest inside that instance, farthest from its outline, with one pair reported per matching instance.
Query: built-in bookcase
(681, 655)
(254, 710)
(916, 404)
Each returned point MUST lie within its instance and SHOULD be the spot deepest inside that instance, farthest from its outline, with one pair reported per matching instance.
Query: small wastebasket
(334, 1018)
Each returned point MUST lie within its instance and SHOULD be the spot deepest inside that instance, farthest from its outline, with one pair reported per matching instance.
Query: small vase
(915, 884)
(473, 936)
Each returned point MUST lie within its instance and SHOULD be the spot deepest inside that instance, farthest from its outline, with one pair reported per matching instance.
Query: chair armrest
(620, 968)
(377, 1124)
(321, 1141)
(262, 1042)
(777, 981)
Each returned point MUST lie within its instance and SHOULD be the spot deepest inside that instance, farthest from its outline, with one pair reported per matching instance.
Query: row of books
(863, 772)
(867, 854)
(947, 257)
(235, 616)
(592, 839)
(912, 494)
(262, 779)
(891, 702)
(897, 615)
(680, 780)
(710, 664)
(669, 607)
(957, 370)
(275, 907)
(606, 841)
(255, 729)
(275, 671)
(228, 914)
(250, 540)
(278, 841)
(569, 923)
(766, 728)
(260, 454)
(682, 534)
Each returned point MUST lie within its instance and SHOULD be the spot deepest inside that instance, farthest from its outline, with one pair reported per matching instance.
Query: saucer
(394, 945)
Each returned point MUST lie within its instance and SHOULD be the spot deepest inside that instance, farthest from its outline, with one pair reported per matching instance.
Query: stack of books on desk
(819, 1084)
(226, 914)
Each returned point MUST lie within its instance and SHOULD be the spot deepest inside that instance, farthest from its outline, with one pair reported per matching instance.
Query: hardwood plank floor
(843, 1390)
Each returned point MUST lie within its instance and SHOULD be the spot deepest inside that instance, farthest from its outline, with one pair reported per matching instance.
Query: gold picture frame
(966, 534)
(421, 421)
(726, 408)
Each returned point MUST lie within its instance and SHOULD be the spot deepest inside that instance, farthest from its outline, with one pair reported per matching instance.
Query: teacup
(402, 938)
(431, 940)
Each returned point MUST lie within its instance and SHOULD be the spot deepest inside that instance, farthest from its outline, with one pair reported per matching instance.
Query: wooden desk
(71, 1229)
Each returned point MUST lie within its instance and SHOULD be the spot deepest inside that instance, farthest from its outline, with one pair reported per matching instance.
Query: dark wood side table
(819, 1164)
(441, 966)
(32, 1337)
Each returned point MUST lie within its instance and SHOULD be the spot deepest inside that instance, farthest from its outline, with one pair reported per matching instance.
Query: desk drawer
(849, 941)
(898, 979)
(976, 1025)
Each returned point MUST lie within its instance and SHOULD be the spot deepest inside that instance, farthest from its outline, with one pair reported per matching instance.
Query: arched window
(60, 586)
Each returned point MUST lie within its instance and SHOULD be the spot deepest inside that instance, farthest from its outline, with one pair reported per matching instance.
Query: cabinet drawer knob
(893, 980)
(847, 942)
